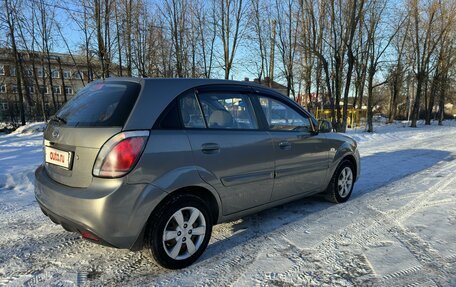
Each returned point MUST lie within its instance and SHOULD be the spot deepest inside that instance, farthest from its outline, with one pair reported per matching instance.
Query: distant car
(157, 162)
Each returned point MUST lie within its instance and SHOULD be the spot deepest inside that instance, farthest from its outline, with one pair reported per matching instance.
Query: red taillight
(88, 235)
(122, 157)
(120, 154)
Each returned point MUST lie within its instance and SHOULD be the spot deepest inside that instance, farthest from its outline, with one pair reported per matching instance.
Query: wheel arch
(199, 191)
(205, 194)
(351, 159)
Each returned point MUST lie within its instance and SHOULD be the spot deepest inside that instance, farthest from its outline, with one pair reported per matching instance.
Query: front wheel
(179, 231)
(341, 185)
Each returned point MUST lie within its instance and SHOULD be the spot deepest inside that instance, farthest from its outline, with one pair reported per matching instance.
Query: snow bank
(31, 128)
(20, 153)
(397, 130)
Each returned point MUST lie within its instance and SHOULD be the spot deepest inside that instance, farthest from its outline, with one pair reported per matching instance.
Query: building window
(56, 89)
(12, 71)
(14, 88)
(2, 70)
(40, 72)
(78, 75)
(29, 73)
(2, 88)
(44, 89)
(31, 89)
(55, 74)
(4, 106)
(68, 90)
(67, 74)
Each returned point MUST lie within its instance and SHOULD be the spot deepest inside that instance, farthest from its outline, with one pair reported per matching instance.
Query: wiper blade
(58, 119)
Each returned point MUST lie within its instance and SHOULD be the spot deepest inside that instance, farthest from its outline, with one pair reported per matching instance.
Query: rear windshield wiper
(58, 119)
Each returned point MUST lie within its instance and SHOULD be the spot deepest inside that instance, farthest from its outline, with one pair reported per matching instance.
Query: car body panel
(84, 145)
(301, 168)
(241, 170)
(165, 151)
(111, 209)
(341, 146)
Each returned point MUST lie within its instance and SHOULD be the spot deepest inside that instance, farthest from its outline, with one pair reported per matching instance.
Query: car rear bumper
(111, 210)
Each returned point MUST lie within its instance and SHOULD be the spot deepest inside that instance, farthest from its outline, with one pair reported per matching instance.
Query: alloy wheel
(184, 233)
(345, 182)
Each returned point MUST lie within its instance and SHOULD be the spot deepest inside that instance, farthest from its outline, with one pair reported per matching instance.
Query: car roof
(185, 81)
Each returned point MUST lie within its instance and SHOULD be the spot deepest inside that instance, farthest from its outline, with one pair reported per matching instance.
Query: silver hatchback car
(157, 162)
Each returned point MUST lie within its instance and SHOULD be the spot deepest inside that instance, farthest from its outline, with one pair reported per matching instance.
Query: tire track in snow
(381, 224)
(369, 231)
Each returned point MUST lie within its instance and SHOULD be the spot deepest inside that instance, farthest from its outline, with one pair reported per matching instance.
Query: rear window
(100, 104)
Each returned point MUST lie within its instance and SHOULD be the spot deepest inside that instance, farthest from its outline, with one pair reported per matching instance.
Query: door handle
(210, 148)
(285, 145)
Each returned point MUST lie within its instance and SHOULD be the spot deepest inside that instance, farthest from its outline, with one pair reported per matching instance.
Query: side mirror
(324, 126)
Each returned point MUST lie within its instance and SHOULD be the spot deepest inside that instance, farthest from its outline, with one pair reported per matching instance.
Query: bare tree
(307, 42)
(426, 36)
(31, 30)
(101, 46)
(378, 44)
(118, 38)
(287, 14)
(175, 13)
(128, 29)
(207, 33)
(11, 10)
(355, 16)
(397, 71)
(260, 38)
(230, 26)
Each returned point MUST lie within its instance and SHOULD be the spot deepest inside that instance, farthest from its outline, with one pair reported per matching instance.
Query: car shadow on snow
(377, 170)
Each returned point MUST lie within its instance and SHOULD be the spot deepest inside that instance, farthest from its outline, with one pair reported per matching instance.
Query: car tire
(179, 231)
(341, 185)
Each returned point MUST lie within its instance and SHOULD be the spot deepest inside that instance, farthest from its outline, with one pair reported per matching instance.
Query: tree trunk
(351, 61)
(442, 90)
(100, 42)
(17, 59)
(416, 105)
(63, 80)
(119, 44)
(434, 88)
(370, 91)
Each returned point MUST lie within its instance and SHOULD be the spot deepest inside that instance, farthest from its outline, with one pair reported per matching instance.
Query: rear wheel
(341, 184)
(179, 231)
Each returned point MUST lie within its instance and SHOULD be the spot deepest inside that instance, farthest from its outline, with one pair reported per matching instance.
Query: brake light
(122, 157)
(88, 235)
(119, 155)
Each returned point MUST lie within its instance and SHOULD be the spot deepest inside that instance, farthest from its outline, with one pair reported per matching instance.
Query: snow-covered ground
(398, 229)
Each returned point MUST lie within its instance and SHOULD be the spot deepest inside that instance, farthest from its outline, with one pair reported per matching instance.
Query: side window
(169, 119)
(228, 110)
(191, 112)
(281, 117)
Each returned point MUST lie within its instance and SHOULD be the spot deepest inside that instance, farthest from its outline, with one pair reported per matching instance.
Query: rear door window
(100, 104)
(191, 112)
(228, 110)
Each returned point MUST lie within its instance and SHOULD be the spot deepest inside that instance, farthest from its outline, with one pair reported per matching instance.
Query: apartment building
(52, 80)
